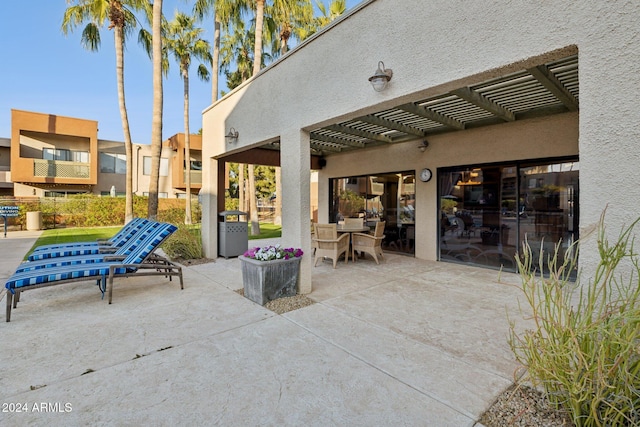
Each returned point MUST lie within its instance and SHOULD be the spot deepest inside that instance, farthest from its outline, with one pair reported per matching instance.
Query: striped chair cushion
(98, 270)
(59, 262)
(150, 244)
(56, 253)
(150, 228)
(118, 240)
(91, 250)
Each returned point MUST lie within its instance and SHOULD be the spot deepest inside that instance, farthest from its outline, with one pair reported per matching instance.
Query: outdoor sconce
(381, 77)
(232, 136)
(423, 145)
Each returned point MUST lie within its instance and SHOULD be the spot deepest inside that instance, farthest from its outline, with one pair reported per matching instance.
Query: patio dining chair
(329, 244)
(138, 263)
(368, 243)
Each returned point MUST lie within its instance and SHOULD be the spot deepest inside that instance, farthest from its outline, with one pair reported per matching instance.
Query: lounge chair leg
(9, 303)
(16, 299)
(110, 287)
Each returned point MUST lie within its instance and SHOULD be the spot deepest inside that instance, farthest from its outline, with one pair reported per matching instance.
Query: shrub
(87, 210)
(185, 243)
(584, 347)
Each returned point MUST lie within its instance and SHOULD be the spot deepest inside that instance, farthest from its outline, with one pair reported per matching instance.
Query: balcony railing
(196, 177)
(60, 169)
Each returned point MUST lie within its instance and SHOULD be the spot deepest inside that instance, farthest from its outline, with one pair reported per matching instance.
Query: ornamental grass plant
(584, 347)
(185, 243)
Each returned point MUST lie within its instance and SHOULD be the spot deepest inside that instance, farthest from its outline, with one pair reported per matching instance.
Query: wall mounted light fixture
(423, 145)
(232, 136)
(381, 77)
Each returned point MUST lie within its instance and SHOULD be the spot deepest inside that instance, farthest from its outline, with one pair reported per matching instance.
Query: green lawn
(267, 231)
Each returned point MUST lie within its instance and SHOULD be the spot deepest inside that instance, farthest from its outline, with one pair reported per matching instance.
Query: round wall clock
(425, 175)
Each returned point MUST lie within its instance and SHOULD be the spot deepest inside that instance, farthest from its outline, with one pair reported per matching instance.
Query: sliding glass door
(488, 211)
(388, 197)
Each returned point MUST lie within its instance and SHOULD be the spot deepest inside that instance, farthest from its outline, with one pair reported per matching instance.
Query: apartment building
(56, 156)
(6, 186)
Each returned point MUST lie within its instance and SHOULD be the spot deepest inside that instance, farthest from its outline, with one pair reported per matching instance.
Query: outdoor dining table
(343, 228)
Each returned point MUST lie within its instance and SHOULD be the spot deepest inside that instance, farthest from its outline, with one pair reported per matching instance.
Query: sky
(47, 72)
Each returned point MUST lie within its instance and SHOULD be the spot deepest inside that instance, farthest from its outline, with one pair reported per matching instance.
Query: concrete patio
(406, 342)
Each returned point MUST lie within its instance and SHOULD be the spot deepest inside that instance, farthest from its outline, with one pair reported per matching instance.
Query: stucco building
(529, 110)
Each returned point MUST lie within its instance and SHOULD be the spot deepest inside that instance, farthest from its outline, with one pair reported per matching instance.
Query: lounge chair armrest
(107, 250)
(113, 258)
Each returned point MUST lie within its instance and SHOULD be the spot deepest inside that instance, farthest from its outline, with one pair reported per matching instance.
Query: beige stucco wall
(434, 47)
(141, 181)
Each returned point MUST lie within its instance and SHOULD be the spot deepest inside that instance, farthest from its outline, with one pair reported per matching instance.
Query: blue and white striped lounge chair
(138, 263)
(87, 248)
(130, 245)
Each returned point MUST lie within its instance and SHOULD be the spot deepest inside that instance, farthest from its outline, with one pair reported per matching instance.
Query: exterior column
(209, 199)
(295, 158)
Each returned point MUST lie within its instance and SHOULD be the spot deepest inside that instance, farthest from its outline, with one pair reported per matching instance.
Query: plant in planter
(270, 272)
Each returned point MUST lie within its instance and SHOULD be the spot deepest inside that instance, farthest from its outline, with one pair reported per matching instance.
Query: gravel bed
(286, 304)
(523, 406)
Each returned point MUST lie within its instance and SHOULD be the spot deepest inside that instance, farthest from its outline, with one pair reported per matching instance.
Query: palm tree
(223, 12)
(289, 16)
(336, 8)
(237, 49)
(183, 40)
(257, 47)
(120, 14)
(156, 121)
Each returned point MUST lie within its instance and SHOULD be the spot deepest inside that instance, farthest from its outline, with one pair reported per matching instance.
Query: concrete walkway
(407, 342)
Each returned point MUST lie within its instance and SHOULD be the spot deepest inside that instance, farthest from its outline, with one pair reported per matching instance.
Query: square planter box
(265, 281)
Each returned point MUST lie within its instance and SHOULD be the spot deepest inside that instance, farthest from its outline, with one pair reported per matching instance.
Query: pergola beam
(432, 115)
(484, 103)
(390, 124)
(359, 132)
(555, 86)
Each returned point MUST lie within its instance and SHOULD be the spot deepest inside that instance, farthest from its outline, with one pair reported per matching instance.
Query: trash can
(34, 220)
(233, 236)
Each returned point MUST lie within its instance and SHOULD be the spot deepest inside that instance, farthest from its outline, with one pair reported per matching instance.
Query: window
(388, 197)
(161, 195)
(488, 211)
(196, 165)
(113, 163)
(65, 155)
(80, 156)
(146, 166)
(62, 193)
(56, 154)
